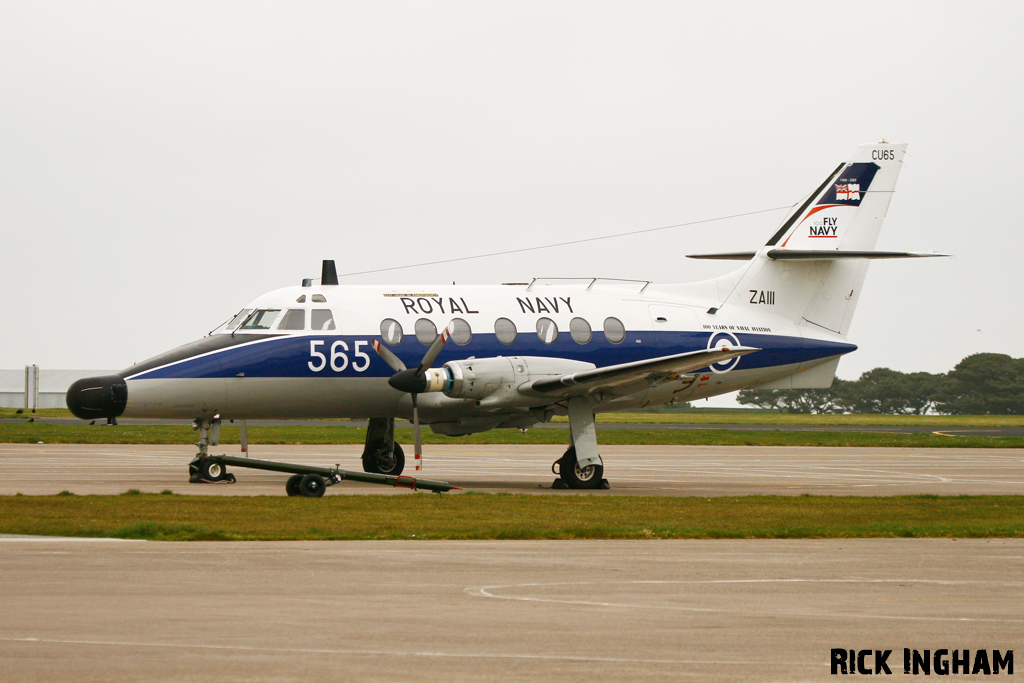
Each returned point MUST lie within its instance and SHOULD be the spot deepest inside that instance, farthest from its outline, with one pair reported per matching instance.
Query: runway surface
(767, 610)
(34, 469)
(946, 430)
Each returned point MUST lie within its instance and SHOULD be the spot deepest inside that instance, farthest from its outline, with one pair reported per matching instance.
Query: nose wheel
(207, 471)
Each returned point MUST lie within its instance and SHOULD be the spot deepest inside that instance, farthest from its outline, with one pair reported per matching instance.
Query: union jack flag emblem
(848, 191)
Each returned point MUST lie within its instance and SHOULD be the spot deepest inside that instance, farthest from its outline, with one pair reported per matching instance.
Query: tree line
(981, 384)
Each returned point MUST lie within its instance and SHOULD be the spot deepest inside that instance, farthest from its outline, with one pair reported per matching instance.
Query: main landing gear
(572, 476)
(381, 455)
(581, 466)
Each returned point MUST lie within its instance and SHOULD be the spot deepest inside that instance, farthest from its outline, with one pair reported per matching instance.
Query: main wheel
(312, 486)
(382, 462)
(576, 477)
(211, 470)
(292, 485)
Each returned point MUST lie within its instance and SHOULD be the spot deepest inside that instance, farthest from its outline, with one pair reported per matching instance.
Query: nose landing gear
(202, 469)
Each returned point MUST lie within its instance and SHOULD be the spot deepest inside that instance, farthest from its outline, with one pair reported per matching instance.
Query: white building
(35, 387)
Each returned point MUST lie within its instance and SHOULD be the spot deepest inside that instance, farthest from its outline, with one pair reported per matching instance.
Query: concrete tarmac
(34, 469)
(945, 430)
(765, 610)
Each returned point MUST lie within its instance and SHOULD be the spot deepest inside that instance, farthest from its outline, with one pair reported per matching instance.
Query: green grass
(508, 516)
(172, 434)
(41, 412)
(765, 417)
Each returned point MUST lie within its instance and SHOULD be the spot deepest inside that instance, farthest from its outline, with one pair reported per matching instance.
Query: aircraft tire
(312, 486)
(378, 462)
(211, 470)
(591, 477)
(291, 486)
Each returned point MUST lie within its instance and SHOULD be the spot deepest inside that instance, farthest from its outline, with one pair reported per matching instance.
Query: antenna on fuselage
(329, 275)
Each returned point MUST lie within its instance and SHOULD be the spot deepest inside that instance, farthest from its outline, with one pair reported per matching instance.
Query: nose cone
(95, 397)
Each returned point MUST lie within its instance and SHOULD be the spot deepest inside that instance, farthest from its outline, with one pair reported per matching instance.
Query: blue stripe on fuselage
(291, 356)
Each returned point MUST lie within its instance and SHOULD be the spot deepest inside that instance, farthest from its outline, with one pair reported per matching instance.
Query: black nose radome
(95, 397)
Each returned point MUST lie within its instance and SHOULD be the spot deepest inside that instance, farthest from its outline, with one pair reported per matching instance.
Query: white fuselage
(266, 371)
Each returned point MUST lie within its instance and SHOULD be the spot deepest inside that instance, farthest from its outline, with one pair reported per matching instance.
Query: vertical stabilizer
(844, 213)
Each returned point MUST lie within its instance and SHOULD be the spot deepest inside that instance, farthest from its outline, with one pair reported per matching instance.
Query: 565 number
(338, 356)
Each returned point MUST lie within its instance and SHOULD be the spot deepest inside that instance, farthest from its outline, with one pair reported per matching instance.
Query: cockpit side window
(237, 320)
(261, 319)
(294, 319)
(322, 319)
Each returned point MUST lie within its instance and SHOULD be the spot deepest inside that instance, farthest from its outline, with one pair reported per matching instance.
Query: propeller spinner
(415, 381)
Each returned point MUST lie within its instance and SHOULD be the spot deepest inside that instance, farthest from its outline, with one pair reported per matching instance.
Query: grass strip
(320, 435)
(757, 417)
(170, 517)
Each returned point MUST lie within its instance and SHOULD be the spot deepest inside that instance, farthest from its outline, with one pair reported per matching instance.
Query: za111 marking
(761, 296)
(339, 360)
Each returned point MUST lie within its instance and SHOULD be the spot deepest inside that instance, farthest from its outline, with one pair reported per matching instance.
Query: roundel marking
(717, 341)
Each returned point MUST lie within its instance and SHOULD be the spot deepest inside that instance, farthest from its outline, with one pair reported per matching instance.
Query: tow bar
(311, 481)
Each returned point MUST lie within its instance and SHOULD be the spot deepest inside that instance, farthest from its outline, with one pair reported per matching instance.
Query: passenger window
(614, 330)
(580, 330)
(461, 331)
(319, 299)
(261, 319)
(391, 331)
(294, 319)
(321, 319)
(426, 332)
(237, 320)
(547, 330)
(505, 330)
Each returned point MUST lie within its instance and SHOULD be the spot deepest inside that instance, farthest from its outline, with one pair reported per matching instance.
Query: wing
(628, 377)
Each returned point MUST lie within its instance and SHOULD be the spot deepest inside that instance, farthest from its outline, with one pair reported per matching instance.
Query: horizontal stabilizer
(606, 378)
(835, 254)
(727, 256)
(814, 255)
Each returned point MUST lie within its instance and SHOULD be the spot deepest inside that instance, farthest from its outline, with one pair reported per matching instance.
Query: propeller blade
(391, 359)
(417, 447)
(432, 352)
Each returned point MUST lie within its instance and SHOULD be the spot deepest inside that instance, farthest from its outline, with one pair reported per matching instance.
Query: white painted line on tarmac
(560, 657)
(18, 538)
(490, 592)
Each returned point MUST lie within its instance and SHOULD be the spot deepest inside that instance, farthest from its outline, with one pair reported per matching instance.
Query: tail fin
(805, 272)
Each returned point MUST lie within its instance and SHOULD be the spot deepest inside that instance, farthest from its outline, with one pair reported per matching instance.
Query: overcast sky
(161, 164)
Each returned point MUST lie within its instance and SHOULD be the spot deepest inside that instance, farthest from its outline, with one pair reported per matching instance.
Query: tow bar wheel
(292, 485)
(312, 486)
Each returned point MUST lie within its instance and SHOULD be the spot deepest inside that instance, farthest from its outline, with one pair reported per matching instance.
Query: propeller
(415, 381)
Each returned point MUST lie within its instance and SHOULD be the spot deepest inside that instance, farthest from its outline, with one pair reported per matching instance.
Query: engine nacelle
(479, 377)
(494, 382)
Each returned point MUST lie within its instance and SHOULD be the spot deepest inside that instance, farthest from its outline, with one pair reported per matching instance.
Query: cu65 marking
(339, 359)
